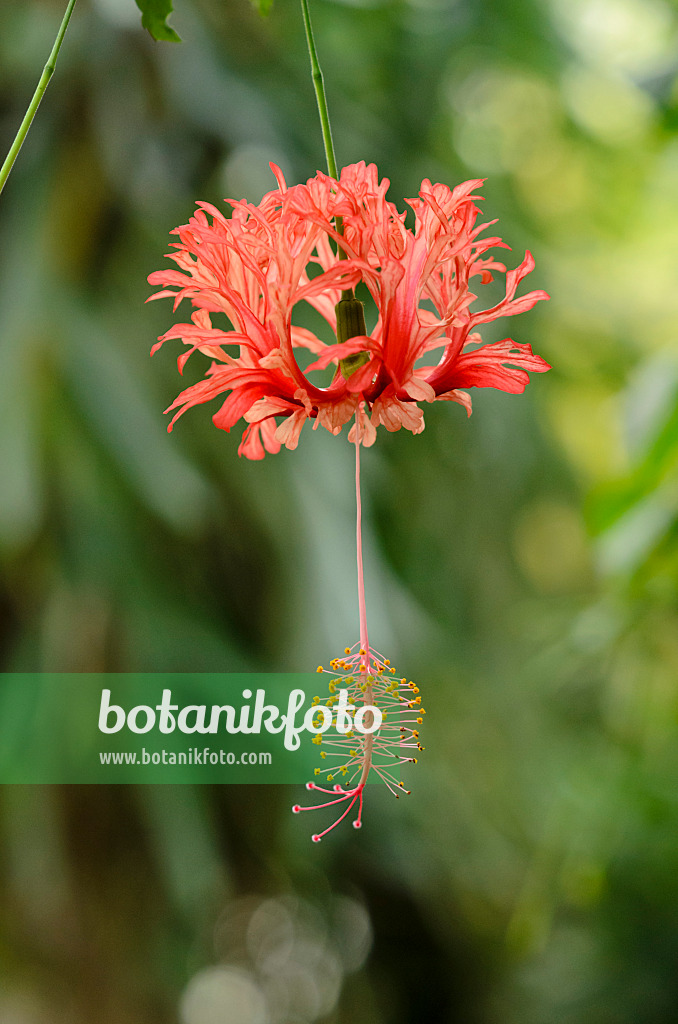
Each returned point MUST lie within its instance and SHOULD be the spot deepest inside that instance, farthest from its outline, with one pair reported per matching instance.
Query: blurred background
(522, 566)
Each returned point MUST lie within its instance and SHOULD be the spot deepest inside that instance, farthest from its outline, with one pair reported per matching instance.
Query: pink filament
(319, 807)
(353, 796)
(358, 822)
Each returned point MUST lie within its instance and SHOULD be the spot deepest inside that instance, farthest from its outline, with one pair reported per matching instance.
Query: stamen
(367, 679)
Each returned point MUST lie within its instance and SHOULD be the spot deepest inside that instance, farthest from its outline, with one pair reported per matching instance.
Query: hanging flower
(254, 267)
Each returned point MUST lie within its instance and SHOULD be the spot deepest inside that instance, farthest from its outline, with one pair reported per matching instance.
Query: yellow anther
(320, 669)
(416, 689)
(316, 771)
(419, 721)
(347, 650)
(323, 754)
(317, 740)
(330, 778)
(332, 687)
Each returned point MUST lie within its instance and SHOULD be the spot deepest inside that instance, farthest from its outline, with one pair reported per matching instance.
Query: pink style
(254, 268)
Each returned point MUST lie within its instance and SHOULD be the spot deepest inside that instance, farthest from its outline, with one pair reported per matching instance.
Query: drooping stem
(319, 86)
(47, 73)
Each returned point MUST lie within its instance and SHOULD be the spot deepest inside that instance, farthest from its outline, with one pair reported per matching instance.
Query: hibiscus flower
(314, 243)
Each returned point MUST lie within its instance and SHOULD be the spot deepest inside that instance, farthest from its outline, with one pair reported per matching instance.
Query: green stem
(319, 86)
(47, 73)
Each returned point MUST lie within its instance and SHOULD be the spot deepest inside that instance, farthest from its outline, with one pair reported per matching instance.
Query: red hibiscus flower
(314, 243)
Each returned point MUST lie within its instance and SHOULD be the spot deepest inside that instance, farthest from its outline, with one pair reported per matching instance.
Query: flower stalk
(319, 86)
(326, 128)
(45, 77)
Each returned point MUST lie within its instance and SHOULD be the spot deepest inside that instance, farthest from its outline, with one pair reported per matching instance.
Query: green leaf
(263, 6)
(154, 15)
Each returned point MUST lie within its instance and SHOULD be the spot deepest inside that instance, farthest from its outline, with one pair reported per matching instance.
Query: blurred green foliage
(522, 566)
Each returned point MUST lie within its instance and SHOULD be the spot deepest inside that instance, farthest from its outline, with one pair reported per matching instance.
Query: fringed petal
(256, 265)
